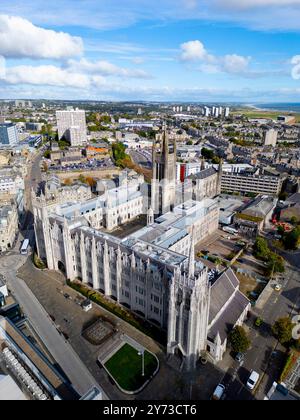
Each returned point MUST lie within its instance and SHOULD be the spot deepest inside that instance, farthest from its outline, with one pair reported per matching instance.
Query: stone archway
(61, 267)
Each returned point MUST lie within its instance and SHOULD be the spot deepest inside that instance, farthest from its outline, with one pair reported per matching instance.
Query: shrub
(282, 330)
(141, 325)
(239, 340)
(38, 262)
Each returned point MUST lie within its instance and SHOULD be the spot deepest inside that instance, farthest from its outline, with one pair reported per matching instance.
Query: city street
(266, 355)
(140, 159)
(10, 263)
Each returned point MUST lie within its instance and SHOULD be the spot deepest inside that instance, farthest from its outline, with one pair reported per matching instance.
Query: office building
(251, 181)
(71, 125)
(270, 137)
(9, 134)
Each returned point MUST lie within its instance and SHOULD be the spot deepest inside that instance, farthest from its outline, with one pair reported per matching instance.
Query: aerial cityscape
(150, 202)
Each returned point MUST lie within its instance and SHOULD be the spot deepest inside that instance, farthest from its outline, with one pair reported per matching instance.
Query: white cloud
(81, 75)
(190, 4)
(236, 63)
(107, 91)
(209, 68)
(20, 38)
(248, 4)
(47, 75)
(2, 68)
(105, 68)
(295, 61)
(111, 14)
(193, 51)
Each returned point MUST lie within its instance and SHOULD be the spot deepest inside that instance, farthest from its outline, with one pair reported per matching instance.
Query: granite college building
(152, 271)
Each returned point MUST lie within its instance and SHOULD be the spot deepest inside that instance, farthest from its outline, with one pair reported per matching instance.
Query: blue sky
(173, 50)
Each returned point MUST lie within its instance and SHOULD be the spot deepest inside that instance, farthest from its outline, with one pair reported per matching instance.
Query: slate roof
(206, 173)
(229, 317)
(221, 291)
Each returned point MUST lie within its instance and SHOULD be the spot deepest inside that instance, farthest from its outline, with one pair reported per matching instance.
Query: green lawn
(254, 114)
(125, 367)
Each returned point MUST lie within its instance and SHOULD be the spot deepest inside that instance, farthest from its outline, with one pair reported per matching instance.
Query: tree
(294, 221)
(275, 264)
(45, 167)
(283, 196)
(291, 240)
(119, 154)
(239, 340)
(47, 154)
(82, 179)
(63, 144)
(207, 153)
(216, 160)
(261, 249)
(189, 143)
(283, 329)
(91, 181)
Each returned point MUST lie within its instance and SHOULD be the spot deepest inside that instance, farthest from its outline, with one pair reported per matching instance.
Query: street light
(142, 353)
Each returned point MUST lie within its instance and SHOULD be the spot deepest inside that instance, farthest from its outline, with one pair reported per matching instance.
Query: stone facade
(164, 174)
(153, 271)
(8, 226)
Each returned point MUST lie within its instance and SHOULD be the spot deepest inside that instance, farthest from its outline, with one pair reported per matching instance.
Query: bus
(230, 230)
(25, 245)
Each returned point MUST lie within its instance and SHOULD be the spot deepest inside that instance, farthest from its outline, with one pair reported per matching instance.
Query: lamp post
(142, 353)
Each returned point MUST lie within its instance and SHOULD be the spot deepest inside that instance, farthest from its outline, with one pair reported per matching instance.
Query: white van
(253, 380)
(218, 393)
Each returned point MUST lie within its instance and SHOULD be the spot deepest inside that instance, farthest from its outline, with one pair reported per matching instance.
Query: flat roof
(9, 390)
(45, 368)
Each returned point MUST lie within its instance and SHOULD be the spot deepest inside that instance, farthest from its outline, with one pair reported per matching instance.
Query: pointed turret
(150, 217)
(133, 262)
(202, 163)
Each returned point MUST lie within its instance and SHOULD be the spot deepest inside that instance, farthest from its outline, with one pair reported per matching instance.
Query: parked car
(240, 357)
(218, 393)
(258, 322)
(253, 380)
(278, 287)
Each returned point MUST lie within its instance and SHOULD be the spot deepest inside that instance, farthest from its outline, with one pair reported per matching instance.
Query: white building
(206, 111)
(10, 182)
(153, 271)
(9, 135)
(271, 137)
(8, 226)
(71, 124)
(251, 181)
(54, 190)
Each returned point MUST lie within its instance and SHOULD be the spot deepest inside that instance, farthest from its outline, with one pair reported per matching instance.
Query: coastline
(288, 107)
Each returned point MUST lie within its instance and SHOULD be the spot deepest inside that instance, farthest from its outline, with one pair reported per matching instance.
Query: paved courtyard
(61, 303)
(217, 244)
